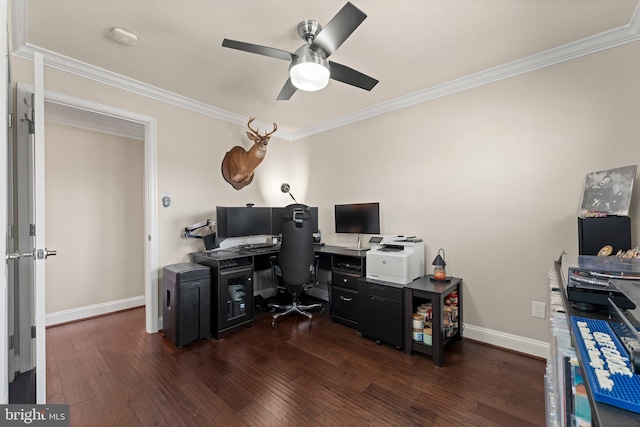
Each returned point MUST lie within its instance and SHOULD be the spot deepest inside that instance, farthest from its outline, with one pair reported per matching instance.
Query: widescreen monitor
(358, 218)
(242, 221)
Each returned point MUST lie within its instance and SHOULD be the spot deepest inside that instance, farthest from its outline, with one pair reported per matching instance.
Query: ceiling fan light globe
(309, 76)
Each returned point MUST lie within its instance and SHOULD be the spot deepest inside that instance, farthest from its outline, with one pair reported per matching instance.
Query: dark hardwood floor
(113, 373)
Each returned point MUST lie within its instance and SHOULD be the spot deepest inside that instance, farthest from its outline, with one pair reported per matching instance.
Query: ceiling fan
(309, 69)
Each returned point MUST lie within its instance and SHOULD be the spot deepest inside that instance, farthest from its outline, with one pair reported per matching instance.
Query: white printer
(396, 259)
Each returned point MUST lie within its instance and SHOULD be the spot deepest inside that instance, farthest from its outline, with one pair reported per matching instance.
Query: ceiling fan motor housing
(309, 29)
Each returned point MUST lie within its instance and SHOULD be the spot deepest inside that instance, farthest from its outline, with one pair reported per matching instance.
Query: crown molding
(627, 34)
(607, 40)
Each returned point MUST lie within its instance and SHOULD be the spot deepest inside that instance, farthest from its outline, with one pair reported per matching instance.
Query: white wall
(493, 175)
(94, 217)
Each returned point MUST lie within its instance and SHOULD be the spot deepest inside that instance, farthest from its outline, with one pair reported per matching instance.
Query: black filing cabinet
(186, 303)
(380, 311)
(346, 269)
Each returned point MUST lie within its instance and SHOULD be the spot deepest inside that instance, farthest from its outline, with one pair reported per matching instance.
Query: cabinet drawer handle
(344, 298)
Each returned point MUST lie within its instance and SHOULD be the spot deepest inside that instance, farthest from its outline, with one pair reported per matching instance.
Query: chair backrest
(297, 256)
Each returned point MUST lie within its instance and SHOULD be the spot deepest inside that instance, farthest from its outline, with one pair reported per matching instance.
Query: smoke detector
(124, 37)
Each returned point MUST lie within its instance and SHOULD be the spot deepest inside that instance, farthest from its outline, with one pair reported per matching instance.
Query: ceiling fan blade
(347, 75)
(287, 91)
(338, 29)
(260, 50)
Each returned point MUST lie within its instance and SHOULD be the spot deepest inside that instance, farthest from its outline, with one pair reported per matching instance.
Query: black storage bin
(186, 300)
(595, 233)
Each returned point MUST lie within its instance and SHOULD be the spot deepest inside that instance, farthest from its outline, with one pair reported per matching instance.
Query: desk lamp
(439, 272)
(285, 189)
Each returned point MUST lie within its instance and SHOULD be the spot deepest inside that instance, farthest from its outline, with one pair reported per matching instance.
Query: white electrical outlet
(538, 309)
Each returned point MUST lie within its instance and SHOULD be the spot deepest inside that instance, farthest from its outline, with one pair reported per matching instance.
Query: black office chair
(297, 264)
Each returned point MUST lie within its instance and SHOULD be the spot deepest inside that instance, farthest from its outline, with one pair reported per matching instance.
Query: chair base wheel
(295, 306)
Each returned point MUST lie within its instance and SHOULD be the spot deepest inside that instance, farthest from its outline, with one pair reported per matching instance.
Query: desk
(233, 269)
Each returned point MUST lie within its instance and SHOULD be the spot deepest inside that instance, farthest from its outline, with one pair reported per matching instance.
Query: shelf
(419, 291)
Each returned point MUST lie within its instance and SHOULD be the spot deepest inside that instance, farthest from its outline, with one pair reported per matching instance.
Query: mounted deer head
(239, 164)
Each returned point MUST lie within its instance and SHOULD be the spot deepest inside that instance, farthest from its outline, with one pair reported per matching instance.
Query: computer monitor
(358, 218)
(242, 221)
(277, 220)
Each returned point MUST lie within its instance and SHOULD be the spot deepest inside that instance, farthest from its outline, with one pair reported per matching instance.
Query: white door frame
(150, 194)
(37, 188)
(4, 287)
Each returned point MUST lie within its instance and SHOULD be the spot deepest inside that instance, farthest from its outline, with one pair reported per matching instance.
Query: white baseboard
(93, 310)
(512, 342)
(488, 336)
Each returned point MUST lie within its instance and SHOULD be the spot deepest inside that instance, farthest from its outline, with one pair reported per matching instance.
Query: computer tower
(596, 233)
(186, 299)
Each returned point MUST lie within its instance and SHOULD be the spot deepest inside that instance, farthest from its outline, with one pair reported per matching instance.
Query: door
(31, 251)
(31, 254)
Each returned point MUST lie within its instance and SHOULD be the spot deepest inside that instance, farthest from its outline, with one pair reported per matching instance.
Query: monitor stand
(359, 247)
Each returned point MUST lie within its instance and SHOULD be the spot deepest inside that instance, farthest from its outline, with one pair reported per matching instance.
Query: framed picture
(608, 192)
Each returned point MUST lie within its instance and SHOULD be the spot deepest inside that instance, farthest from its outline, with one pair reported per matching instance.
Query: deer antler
(257, 132)
(249, 126)
(275, 128)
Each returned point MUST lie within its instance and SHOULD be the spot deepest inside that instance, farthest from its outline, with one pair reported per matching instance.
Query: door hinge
(10, 121)
(10, 342)
(10, 232)
(33, 332)
(32, 230)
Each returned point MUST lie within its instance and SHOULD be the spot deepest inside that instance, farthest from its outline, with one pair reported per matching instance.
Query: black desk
(236, 266)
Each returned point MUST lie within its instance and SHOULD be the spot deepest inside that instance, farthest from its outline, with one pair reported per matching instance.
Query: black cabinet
(346, 268)
(595, 233)
(343, 305)
(380, 311)
(232, 291)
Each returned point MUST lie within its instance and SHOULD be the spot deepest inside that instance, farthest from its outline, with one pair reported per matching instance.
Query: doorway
(82, 113)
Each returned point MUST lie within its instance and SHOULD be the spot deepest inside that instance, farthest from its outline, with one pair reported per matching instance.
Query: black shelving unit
(427, 290)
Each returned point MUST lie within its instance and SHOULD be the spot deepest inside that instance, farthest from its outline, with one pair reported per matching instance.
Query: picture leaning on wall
(608, 191)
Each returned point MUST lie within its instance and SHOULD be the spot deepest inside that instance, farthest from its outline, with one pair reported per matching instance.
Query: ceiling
(417, 49)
